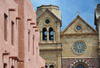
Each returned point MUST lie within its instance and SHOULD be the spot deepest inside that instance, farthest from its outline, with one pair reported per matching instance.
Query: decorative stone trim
(80, 61)
(81, 47)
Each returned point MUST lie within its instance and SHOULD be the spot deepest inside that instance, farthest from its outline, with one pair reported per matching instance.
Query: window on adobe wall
(51, 66)
(5, 65)
(12, 33)
(51, 34)
(5, 27)
(12, 66)
(28, 40)
(44, 34)
(33, 44)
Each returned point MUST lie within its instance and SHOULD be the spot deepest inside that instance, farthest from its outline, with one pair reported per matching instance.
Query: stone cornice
(48, 6)
(49, 43)
(79, 57)
(78, 34)
(55, 49)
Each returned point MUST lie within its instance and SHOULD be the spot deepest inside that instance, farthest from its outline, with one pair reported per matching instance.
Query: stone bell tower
(49, 23)
(97, 23)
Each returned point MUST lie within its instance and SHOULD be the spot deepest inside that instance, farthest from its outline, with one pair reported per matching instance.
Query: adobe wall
(30, 36)
(34, 45)
(18, 54)
(7, 50)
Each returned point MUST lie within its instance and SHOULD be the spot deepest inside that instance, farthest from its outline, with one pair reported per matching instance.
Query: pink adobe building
(19, 37)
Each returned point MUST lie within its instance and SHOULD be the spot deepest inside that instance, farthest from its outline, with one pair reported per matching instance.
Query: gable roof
(47, 10)
(78, 17)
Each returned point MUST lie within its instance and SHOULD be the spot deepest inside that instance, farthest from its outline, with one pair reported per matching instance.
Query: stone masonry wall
(90, 62)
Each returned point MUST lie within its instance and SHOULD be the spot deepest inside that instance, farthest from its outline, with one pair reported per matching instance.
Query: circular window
(47, 21)
(78, 28)
(79, 47)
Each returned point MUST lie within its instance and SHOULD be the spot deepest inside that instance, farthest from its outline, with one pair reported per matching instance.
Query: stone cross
(78, 12)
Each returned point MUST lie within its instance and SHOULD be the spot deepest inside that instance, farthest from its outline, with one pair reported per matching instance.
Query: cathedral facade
(81, 46)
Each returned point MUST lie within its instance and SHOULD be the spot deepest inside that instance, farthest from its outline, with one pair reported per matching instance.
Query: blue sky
(69, 9)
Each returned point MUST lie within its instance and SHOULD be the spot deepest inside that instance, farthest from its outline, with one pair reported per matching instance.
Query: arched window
(5, 26)
(44, 34)
(80, 66)
(46, 66)
(51, 34)
(51, 66)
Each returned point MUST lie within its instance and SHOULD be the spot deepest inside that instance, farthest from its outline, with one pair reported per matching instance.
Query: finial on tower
(78, 12)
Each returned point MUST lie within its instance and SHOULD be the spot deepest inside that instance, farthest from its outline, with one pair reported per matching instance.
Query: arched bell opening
(51, 34)
(51, 66)
(44, 34)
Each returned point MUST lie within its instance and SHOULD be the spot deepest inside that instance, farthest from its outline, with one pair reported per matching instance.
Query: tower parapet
(54, 9)
(97, 23)
(48, 7)
(97, 16)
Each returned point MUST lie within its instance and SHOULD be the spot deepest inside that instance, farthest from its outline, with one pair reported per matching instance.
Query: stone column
(58, 33)
(48, 65)
(54, 36)
(41, 37)
(47, 36)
